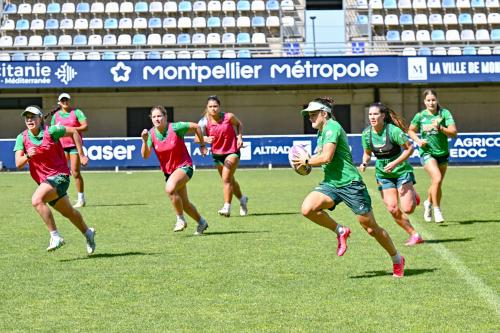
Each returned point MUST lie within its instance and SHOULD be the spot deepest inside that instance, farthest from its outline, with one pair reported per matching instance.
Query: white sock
(437, 210)
(227, 205)
(396, 259)
(181, 218)
(81, 196)
(55, 233)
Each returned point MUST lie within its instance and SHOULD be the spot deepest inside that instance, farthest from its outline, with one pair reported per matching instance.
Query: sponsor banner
(245, 72)
(258, 151)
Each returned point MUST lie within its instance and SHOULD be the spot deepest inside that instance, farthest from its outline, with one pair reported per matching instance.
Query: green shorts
(71, 150)
(60, 183)
(424, 158)
(188, 169)
(219, 159)
(355, 195)
(385, 183)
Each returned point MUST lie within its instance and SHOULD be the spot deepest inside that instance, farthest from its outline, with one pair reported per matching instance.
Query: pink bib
(224, 136)
(171, 152)
(70, 121)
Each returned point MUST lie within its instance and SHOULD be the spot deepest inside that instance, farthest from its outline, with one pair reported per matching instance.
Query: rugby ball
(298, 151)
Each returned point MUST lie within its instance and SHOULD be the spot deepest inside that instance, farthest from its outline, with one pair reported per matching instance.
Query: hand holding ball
(296, 157)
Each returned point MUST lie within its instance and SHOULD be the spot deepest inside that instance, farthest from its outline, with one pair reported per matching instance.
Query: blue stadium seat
(406, 19)
(80, 40)
(424, 51)
(448, 4)
(53, 8)
(258, 21)
(83, 7)
(469, 50)
(49, 40)
(213, 22)
(139, 39)
(437, 35)
(111, 23)
(154, 55)
(154, 23)
(390, 4)
(213, 54)
(108, 55)
(141, 7)
(184, 6)
(243, 38)
(361, 19)
(477, 3)
(63, 56)
(464, 18)
(18, 56)
(243, 5)
(22, 24)
(51, 24)
(393, 36)
(272, 5)
(244, 53)
(10, 8)
(183, 39)
(495, 35)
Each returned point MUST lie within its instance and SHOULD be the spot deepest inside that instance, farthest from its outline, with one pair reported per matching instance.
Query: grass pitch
(272, 271)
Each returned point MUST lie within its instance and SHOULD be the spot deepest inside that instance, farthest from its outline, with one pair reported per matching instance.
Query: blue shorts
(424, 158)
(355, 195)
(385, 183)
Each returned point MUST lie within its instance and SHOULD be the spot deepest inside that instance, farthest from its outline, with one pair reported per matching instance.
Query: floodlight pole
(313, 18)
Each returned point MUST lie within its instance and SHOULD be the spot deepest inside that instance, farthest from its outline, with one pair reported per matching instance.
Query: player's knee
(306, 210)
(394, 210)
(75, 173)
(36, 201)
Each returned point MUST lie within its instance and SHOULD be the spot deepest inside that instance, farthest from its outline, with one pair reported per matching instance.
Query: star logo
(121, 72)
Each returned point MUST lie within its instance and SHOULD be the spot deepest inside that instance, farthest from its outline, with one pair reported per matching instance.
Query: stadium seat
(168, 55)
(435, 19)
(434, 4)
(6, 41)
(496, 50)
(169, 23)
(184, 23)
(111, 23)
(244, 53)
(49, 40)
(39, 8)
(97, 8)
(213, 54)
(452, 35)
(273, 5)
(4, 56)
(405, 19)
(404, 4)
(228, 22)
(437, 36)
(390, 4)
(112, 7)
(53, 8)
(199, 22)
(184, 39)
(376, 4)
(35, 41)
(408, 36)
(199, 6)
(78, 56)
(139, 55)
(439, 51)
(450, 19)
(467, 35)
(494, 18)
(420, 19)
(22, 24)
(93, 55)
(243, 22)
(424, 51)
(63, 56)
(228, 6)
(409, 51)
(123, 55)
(228, 38)
(68, 8)
(287, 5)
(183, 55)
(18, 56)
(479, 19)
(65, 40)
(198, 39)
(154, 55)
(124, 40)
(259, 38)
(140, 23)
(288, 21)
(214, 6)
(258, 6)
(462, 4)
(259, 21)
(423, 36)
(66, 24)
(8, 25)
(477, 3)
(141, 7)
(243, 38)
(83, 7)
(24, 8)
(448, 4)
(10, 8)
(469, 50)
(391, 20)
(95, 40)
(213, 38)
(139, 39)
(361, 19)
(393, 36)
(154, 23)
(20, 41)
(243, 5)
(419, 4)
(199, 54)
(168, 39)
(482, 35)
(170, 7)
(156, 7)
(271, 22)
(37, 24)
(125, 23)
(48, 56)
(454, 50)
(361, 4)
(109, 40)
(377, 19)
(96, 24)
(464, 18)
(108, 55)
(184, 6)
(492, 4)
(154, 39)
(126, 7)
(213, 22)
(229, 54)
(495, 35)
(79, 40)
(81, 24)
(484, 50)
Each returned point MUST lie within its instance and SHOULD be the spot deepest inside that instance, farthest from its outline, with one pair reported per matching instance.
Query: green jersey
(397, 136)
(179, 128)
(56, 132)
(340, 171)
(437, 141)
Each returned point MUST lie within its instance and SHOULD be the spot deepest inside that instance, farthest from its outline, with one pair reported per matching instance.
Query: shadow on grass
(110, 255)
(408, 272)
(448, 240)
(222, 233)
(118, 205)
(474, 221)
(273, 214)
